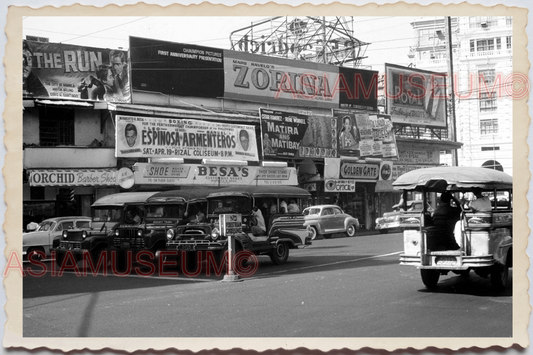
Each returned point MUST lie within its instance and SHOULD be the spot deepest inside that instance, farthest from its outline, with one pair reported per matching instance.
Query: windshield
(227, 204)
(107, 214)
(46, 226)
(165, 211)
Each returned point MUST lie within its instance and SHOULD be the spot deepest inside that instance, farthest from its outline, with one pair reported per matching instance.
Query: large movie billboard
(364, 134)
(294, 135)
(192, 70)
(143, 137)
(176, 69)
(416, 97)
(64, 71)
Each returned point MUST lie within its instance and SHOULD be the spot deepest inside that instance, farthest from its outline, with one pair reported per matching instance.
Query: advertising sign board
(197, 174)
(58, 70)
(289, 135)
(198, 71)
(176, 68)
(363, 134)
(153, 137)
(339, 185)
(415, 97)
(73, 177)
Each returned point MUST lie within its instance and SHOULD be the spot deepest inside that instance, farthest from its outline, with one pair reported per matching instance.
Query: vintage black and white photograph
(290, 175)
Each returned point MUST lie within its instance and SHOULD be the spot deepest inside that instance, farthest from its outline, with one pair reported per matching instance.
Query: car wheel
(499, 276)
(313, 233)
(430, 278)
(280, 254)
(350, 232)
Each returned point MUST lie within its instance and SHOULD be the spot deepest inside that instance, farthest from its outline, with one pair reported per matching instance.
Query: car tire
(351, 230)
(499, 276)
(280, 254)
(430, 278)
(313, 233)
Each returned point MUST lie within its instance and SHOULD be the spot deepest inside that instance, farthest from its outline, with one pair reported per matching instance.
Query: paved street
(341, 287)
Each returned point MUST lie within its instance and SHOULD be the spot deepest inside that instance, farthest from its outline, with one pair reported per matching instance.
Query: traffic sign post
(229, 225)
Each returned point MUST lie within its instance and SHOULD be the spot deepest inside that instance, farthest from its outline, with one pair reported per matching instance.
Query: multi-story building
(482, 63)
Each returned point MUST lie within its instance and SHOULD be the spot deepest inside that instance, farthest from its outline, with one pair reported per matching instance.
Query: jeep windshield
(230, 204)
(109, 214)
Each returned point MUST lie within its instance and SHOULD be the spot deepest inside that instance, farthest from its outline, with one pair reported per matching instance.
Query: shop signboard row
(65, 71)
(346, 133)
(213, 175)
(81, 177)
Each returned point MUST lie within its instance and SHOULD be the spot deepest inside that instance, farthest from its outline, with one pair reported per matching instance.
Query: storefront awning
(180, 113)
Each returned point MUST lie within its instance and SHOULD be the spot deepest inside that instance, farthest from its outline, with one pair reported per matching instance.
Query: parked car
(397, 219)
(326, 220)
(42, 238)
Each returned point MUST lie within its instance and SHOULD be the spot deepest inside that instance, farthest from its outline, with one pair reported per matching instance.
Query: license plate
(190, 247)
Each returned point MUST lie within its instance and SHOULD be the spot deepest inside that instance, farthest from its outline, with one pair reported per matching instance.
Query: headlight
(139, 232)
(170, 234)
(84, 234)
(215, 234)
(65, 234)
(116, 232)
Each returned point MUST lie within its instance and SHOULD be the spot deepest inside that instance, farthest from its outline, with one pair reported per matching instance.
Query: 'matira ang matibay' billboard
(64, 71)
(191, 70)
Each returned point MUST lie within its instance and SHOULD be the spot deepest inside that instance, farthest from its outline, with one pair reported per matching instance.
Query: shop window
(488, 126)
(56, 126)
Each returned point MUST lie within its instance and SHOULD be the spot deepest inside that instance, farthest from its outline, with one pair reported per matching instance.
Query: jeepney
(106, 213)
(161, 211)
(284, 231)
(483, 240)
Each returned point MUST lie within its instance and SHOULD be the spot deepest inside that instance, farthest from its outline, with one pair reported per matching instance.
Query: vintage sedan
(397, 219)
(326, 220)
(40, 241)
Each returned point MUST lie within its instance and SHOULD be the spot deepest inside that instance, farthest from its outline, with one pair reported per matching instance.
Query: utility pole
(453, 121)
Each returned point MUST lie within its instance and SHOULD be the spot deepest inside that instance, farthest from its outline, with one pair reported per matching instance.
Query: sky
(389, 37)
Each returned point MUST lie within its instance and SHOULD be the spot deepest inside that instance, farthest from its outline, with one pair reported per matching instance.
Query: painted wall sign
(73, 177)
(339, 185)
(359, 171)
(415, 97)
(418, 156)
(191, 174)
(400, 169)
(184, 138)
(58, 70)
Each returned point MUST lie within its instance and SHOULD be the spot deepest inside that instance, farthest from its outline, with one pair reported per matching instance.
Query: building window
(484, 45)
(487, 95)
(509, 20)
(488, 126)
(508, 41)
(484, 149)
(56, 126)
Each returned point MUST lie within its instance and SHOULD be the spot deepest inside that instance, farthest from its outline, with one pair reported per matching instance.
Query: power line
(106, 29)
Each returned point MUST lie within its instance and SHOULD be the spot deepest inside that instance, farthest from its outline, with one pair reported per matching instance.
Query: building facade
(482, 66)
